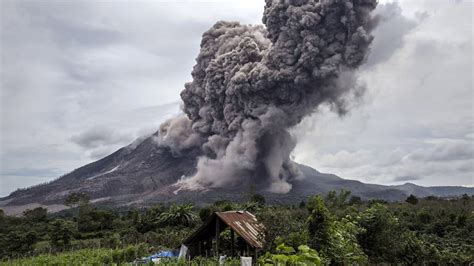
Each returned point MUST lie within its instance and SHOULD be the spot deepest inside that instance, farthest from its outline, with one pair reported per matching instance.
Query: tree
(355, 200)
(465, 199)
(90, 219)
(431, 198)
(319, 224)
(252, 206)
(283, 225)
(287, 255)
(335, 240)
(205, 213)
(76, 199)
(134, 216)
(227, 207)
(61, 234)
(336, 200)
(150, 220)
(412, 199)
(380, 237)
(37, 215)
(302, 204)
(258, 198)
(223, 205)
(344, 248)
(424, 217)
(414, 251)
(179, 215)
(18, 243)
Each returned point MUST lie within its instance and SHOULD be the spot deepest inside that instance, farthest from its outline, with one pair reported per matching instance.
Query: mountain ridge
(144, 173)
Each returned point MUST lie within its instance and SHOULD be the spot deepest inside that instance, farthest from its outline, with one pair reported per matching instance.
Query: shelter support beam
(232, 242)
(217, 237)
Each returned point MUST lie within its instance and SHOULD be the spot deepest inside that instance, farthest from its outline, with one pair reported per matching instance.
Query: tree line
(336, 228)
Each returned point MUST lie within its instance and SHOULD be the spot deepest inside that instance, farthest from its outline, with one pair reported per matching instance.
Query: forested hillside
(337, 228)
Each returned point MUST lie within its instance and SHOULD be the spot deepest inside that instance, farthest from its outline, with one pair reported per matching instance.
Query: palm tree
(179, 215)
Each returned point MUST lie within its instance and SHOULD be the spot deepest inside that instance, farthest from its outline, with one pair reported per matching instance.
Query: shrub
(286, 255)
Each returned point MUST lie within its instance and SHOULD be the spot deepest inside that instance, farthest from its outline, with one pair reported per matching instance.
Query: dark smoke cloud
(253, 83)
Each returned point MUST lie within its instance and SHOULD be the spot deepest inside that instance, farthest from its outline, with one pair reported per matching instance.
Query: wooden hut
(246, 236)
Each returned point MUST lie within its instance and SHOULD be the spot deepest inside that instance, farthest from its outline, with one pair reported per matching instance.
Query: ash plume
(251, 84)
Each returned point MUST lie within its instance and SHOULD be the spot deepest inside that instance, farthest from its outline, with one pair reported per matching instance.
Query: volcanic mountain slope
(144, 173)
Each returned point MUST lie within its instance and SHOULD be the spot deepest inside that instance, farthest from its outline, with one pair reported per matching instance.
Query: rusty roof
(243, 223)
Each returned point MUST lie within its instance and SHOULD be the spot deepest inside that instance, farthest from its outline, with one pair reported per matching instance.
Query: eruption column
(251, 84)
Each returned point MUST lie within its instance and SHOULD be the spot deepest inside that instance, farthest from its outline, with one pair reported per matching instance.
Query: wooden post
(217, 237)
(232, 242)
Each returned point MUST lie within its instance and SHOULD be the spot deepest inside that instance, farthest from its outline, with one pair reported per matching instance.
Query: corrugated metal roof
(244, 224)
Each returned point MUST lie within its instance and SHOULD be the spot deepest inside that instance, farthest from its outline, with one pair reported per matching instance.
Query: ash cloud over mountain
(251, 84)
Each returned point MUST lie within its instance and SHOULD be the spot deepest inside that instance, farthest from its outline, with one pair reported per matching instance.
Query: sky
(80, 79)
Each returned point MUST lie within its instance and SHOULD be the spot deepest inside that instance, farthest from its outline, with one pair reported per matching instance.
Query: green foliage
(335, 200)
(412, 199)
(76, 198)
(343, 231)
(319, 224)
(18, 243)
(344, 247)
(335, 239)
(355, 200)
(283, 225)
(92, 219)
(252, 206)
(199, 261)
(169, 237)
(302, 204)
(61, 234)
(84, 257)
(286, 255)
(205, 213)
(414, 250)
(258, 199)
(381, 233)
(37, 215)
(179, 215)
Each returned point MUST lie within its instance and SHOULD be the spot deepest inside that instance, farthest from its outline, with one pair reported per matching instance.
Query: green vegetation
(288, 256)
(335, 229)
(84, 257)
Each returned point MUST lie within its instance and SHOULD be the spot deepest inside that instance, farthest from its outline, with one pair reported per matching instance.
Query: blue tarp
(161, 254)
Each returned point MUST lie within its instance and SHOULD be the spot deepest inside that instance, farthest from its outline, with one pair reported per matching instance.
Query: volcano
(145, 173)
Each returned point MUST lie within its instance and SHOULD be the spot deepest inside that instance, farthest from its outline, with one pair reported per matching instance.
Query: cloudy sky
(80, 79)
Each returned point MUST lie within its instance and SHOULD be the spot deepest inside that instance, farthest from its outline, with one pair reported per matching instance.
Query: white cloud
(450, 150)
(99, 136)
(345, 159)
(447, 162)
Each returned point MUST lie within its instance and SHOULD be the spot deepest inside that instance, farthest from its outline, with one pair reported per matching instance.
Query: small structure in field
(231, 233)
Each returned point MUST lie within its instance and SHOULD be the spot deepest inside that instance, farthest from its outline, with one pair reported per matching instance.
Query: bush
(85, 257)
(205, 213)
(412, 199)
(286, 255)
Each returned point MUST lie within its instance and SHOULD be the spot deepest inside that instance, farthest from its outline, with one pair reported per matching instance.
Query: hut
(231, 233)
